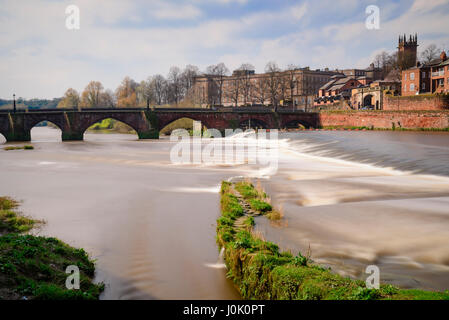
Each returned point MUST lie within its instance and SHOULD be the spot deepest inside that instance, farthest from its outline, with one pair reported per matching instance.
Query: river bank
(34, 268)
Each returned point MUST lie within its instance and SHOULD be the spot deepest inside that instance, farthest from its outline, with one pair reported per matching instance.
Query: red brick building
(337, 89)
(416, 80)
(440, 76)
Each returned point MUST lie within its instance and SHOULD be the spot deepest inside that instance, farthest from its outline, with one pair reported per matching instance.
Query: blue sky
(40, 57)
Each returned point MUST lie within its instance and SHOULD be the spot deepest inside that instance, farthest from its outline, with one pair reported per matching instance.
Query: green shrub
(260, 206)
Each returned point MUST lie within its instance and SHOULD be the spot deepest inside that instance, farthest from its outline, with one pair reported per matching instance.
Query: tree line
(156, 89)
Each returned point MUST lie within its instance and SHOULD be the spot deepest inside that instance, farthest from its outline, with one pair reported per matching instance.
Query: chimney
(443, 56)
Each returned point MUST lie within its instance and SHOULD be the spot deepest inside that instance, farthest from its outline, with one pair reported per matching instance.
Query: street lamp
(14, 103)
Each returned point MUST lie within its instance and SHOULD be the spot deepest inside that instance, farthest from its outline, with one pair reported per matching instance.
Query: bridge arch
(296, 124)
(136, 121)
(166, 121)
(181, 123)
(46, 123)
(119, 126)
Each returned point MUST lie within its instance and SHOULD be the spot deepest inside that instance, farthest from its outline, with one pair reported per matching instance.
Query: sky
(40, 57)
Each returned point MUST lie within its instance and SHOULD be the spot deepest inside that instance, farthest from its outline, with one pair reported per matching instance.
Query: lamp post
(14, 102)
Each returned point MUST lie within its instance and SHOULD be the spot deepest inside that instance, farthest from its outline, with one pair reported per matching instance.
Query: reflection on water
(356, 198)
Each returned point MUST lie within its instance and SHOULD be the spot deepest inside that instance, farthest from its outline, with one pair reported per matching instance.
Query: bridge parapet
(147, 123)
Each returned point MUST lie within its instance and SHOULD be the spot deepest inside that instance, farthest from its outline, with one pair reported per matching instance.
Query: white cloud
(41, 58)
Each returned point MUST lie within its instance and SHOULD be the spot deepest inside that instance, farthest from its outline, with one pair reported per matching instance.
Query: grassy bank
(111, 126)
(34, 267)
(261, 271)
(10, 148)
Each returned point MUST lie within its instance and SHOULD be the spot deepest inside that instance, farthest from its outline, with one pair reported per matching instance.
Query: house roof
(328, 85)
(443, 63)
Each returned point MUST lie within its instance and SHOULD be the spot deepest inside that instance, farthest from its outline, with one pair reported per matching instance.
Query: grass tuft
(10, 148)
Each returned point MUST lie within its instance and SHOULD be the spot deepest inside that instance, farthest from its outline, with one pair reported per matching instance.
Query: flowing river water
(351, 199)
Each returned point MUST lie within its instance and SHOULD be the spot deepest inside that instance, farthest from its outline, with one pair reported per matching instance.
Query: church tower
(407, 51)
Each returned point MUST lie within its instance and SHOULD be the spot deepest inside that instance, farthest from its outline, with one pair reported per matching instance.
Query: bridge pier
(147, 135)
(72, 136)
(18, 136)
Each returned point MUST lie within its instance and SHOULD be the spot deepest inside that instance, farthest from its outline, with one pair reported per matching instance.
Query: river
(353, 198)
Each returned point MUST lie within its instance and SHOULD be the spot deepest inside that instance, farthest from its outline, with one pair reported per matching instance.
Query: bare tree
(246, 85)
(188, 76)
(261, 86)
(158, 85)
(71, 99)
(219, 71)
(430, 53)
(107, 99)
(145, 92)
(232, 91)
(273, 73)
(388, 63)
(90, 97)
(175, 82)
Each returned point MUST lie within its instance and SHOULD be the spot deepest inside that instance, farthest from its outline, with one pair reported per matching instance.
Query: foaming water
(362, 198)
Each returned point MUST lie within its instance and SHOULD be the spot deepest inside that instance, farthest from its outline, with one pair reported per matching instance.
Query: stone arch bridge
(16, 126)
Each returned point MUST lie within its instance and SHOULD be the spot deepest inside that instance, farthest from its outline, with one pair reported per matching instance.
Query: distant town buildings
(337, 89)
(307, 89)
(296, 88)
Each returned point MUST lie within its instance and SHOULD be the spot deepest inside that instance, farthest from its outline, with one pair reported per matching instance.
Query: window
(412, 87)
(412, 76)
(424, 75)
(424, 85)
(405, 77)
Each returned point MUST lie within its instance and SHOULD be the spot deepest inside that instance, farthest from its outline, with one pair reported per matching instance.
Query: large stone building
(294, 88)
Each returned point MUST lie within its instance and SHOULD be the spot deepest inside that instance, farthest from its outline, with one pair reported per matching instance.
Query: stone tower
(407, 51)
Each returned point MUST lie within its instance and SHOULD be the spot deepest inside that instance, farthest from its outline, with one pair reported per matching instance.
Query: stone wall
(419, 102)
(386, 120)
